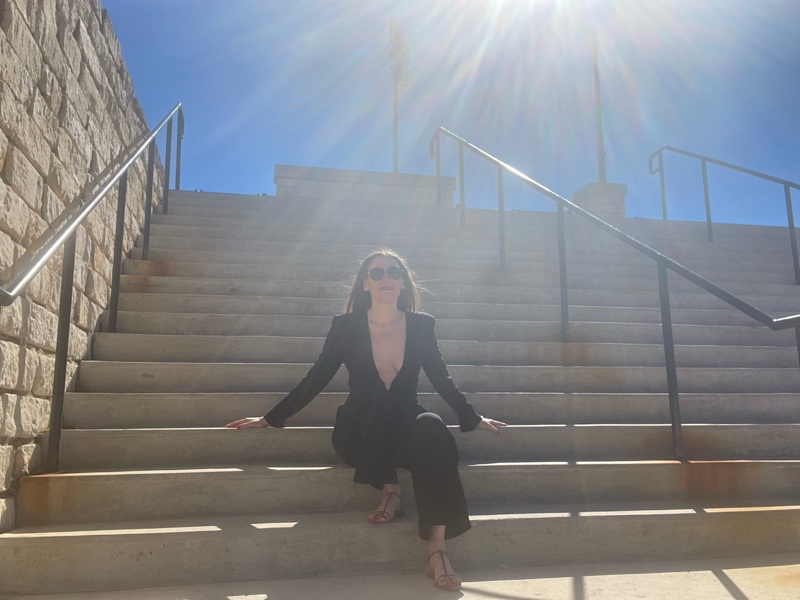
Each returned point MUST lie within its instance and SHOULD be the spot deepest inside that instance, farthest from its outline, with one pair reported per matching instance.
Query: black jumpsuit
(378, 430)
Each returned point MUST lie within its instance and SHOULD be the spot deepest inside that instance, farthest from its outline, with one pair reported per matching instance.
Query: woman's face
(386, 289)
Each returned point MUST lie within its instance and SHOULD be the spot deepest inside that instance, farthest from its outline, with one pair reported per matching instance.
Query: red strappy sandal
(447, 581)
(381, 517)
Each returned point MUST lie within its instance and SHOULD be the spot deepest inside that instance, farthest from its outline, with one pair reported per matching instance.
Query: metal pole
(167, 167)
(461, 192)
(178, 151)
(797, 339)
(790, 216)
(708, 203)
(601, 150)
(62, 348)
(669, 358)
(663, 184)
(395, 161)
(501, 213)
(148, 208)
(438, 171)
(113, 308)
(562, 273)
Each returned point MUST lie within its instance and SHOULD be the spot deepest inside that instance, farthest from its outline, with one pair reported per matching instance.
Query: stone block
(8, 515)
(37, 234)
(74, 123)
(43, 387)
(13, 73)
(8, 255)
(13, 23)
(75, 161)
(11, 365)
(6, 466)
(80, 341)
(3, 149)
(97, 288)
(80, 310)
(62, 182)
(23, 178)
(90, 58)
(14, 213)
(51, 90)
(27, 460)
(22, 131)
(29, 362)
(11, 320)
(42, 328)
(102, 264)
(44, 118)
(24, 417)
(52, 206)
(72, 52)
(45, 288)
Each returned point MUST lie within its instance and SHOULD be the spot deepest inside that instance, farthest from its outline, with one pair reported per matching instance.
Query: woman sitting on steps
(384, 342)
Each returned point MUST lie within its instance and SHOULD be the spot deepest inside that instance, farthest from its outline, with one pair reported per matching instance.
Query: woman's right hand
(248, 423)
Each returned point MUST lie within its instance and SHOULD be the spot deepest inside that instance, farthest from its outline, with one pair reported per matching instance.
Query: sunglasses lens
(377, 273)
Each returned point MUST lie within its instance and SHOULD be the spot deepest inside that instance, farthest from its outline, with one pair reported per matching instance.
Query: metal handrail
(21, 280)
(66, 237)
(663, 263)
(788, 186)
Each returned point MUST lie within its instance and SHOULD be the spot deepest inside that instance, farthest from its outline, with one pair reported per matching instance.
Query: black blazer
(371, 413)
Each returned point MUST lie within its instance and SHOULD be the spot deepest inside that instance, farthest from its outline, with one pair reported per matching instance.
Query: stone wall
(67, 108)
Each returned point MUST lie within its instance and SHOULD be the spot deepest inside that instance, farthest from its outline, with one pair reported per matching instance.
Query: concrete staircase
(231, 310)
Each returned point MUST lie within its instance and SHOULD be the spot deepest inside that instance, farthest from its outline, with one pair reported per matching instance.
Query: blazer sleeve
(436, 370)
(317, 378)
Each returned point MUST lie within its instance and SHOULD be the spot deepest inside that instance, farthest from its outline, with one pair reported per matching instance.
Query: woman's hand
(491, 425)
(248, 423)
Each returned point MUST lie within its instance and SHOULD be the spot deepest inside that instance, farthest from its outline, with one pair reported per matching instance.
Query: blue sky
(307, 82)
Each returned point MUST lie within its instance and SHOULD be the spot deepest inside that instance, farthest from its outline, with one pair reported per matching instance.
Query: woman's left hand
(491, 425)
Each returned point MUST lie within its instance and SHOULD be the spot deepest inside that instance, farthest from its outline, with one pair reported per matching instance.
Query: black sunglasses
(377, 273)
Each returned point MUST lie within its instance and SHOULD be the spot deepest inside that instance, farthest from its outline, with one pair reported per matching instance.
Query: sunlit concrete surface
(764, 578)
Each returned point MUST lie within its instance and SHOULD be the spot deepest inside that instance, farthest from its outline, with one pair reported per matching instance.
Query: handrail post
(438, 170)
(790, 217)
(669, 358)
(461, 192)
(708, 203)
(167, 167)
(116, 274)
(562, 273)
(62, 350)
(179, 144)
(148, 208)
(501, 213)
(797, 340)
(663, 184)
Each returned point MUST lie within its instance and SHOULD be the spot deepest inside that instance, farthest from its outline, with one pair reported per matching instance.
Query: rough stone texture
(67, 109)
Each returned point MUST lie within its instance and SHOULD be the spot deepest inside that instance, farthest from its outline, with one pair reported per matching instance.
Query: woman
(384, 342)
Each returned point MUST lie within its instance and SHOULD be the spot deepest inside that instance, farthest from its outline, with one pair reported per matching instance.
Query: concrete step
(224, 348)
(323, 307)
(541, 273)
(112, 376)
(454, 329)
(785, 298)
(216, 549)
(61, 498)
(544, 254)
(137, 410)
(115, 449)
(767, 577)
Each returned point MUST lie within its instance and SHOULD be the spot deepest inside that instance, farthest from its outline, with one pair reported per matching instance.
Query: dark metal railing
(663, 263)
(704, 160)
(65, 236)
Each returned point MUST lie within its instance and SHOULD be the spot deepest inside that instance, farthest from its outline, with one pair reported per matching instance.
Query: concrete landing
(774, 577)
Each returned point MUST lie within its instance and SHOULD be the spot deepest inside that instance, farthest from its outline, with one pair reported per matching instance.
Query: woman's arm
(312, 384)
(436, 370)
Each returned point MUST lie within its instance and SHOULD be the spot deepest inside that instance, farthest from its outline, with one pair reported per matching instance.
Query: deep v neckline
(372, 354)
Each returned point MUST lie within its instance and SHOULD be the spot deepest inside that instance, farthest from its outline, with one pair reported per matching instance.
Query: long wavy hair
(361, 300)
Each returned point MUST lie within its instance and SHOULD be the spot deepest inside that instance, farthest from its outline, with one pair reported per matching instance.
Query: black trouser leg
(433, 458)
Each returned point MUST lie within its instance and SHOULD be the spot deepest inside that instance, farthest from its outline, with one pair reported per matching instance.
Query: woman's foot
(387, 510)
(440, 570)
